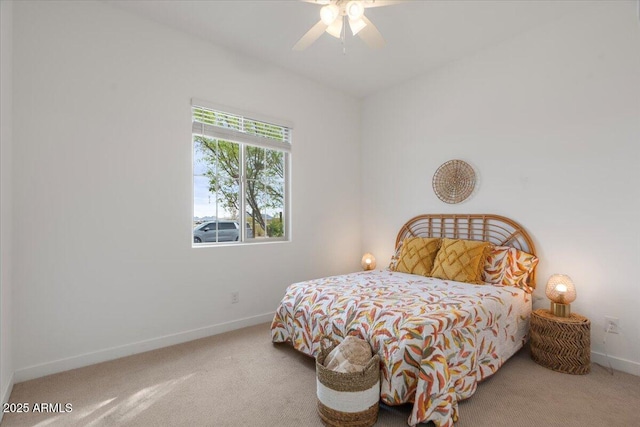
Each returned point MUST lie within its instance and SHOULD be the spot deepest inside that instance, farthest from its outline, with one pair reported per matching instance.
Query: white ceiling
(420, 34)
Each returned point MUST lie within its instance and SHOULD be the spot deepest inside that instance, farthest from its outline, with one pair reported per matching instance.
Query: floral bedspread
(436, 339)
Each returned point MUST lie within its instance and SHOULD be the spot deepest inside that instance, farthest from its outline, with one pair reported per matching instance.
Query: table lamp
(562, 292)
(368, 262)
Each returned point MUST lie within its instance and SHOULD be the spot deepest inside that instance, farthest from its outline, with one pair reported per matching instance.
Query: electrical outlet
(235, 297)
(611, 324)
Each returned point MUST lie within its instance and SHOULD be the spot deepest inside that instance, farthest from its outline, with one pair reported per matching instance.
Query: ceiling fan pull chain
(344, 30)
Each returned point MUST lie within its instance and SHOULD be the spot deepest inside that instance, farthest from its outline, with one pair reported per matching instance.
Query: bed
(437, 338)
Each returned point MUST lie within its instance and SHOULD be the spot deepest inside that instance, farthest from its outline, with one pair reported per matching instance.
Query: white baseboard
(86, 359)
(6, 393)
(617, 363)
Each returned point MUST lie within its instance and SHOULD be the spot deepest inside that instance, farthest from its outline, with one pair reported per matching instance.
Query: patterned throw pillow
(460, 260)
(495, 265)
(395, 257)
(520, 266)
(417, 255)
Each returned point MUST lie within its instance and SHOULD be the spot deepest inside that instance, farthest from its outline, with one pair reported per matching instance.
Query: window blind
(238, 128)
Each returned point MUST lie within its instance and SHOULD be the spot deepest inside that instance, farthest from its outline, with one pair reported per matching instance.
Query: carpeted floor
(240, 378)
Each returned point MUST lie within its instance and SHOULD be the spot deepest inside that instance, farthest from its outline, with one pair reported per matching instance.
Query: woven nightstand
(561, 343)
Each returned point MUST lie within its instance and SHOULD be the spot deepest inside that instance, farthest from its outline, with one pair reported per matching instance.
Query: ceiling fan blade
(312, 35)
(371, 35)
(380, 3)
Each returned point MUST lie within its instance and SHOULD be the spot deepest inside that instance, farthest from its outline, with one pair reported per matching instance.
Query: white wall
(551, 123)
(102, 180)
(6, 205)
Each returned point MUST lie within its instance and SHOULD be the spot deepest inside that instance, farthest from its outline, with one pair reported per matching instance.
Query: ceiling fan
(334, 16)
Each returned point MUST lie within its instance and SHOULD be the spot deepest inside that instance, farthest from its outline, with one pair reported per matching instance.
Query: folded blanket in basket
(351, 355)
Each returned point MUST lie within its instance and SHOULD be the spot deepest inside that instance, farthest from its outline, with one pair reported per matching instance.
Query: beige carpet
(241, 379)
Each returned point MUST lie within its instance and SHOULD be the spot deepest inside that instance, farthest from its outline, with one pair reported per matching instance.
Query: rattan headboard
(499, 230)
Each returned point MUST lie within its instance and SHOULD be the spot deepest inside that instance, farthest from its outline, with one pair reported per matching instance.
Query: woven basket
(348, 399)
(561, 343)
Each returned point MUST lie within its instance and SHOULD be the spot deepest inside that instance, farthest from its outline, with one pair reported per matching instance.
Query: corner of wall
(6, 202)
(6, 392)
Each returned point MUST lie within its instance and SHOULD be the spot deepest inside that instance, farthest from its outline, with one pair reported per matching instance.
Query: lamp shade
(335, 29)
(356, 25)
(368, 262)
(355, 10)
(560, 289)
(329, 13)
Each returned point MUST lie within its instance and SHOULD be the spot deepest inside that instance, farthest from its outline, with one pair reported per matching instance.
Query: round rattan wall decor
(454, 181)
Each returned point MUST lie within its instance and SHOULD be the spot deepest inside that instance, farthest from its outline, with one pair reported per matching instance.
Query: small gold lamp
(562, 292)
(368, 262)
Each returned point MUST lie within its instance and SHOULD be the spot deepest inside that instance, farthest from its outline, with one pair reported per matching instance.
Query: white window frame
(245, 139)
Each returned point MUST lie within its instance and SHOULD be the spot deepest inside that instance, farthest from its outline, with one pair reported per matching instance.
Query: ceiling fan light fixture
(335, 29)
(355, 10)
(356, 25)
(329, 14)
(334, 15)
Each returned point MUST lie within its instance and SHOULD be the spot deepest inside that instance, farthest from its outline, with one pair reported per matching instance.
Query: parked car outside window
(219, 231)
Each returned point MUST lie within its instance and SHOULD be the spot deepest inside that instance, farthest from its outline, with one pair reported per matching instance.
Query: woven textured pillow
(460, 260)
(495, 265)
(519, 265)
(417, 255)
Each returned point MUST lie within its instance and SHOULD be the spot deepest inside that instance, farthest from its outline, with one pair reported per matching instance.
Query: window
(240, 176)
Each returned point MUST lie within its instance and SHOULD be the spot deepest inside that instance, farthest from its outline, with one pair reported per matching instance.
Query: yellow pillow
(417, 255)
(460, 260)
